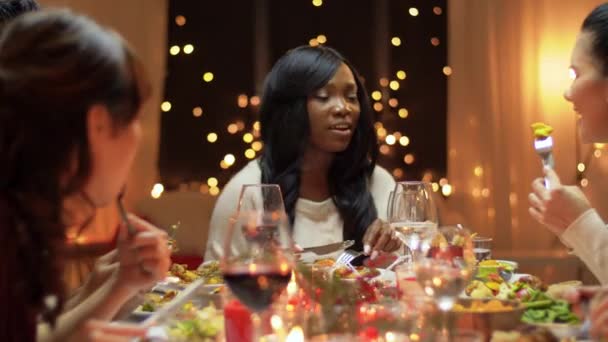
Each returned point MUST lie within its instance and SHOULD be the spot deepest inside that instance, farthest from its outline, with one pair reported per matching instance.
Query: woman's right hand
(144, 258)
(558, 206)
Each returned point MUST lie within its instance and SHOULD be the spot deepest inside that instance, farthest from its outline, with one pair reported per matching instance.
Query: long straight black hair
(285, 132)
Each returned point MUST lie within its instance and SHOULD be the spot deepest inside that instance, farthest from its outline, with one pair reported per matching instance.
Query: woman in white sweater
(320, 146)
(564, 209)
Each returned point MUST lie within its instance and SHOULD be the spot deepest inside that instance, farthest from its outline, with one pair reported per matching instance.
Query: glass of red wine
(258, 250)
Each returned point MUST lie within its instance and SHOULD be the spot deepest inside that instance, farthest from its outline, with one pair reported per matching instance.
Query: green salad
(541, 308)
(194, 324)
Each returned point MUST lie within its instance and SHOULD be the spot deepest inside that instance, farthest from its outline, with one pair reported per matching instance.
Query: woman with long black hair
(320, 147)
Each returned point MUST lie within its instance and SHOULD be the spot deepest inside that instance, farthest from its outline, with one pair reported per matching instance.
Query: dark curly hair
(54, 65)
(285, 132)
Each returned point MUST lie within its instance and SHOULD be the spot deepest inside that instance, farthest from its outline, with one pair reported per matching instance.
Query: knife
(330, 248)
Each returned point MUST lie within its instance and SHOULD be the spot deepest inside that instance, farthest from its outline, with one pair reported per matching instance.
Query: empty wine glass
(447, 267)
(413, 214)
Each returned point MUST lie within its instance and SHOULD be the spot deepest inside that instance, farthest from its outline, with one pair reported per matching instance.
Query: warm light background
(510, 63)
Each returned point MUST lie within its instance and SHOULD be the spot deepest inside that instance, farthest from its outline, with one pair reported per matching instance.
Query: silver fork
(347, 257)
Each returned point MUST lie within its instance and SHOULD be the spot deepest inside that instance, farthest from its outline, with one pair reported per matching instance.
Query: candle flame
(295, 335)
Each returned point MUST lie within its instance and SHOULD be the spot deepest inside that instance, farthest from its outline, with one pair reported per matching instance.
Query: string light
(240, 125)
(212, 137)
(376, 95)
(435, 41)
(322, 39)
(384, 149)
(413, 11)
(485, 193)
(404, 141)
(254, 100)
(208, 77)
(212, 182)
(229, 159)
(435, 186)
(597, 153)
(398, 172)
(214, 191)
(390, 139)
(256, 125)
(584, 182)
(157, 190)
(204, 189)
(381, 132)
(242, 101)
(446, 190)
(232, 128)
(408, 159)
(257, 146)
(224, 165)
(378, 107)
(394, 85)
(396, 41)
(180, 20)
(165, 106)
(197, 111)
(401, 74)
(393, 102)
(317, 3)
(580, 167)
(248, 137)
(478, 171)
(383, 82)
(188, 49)
(403, 113)
(437, 10)
(599, 146)
(447, 70)
(313, 42)
(174, 50)
(249, 153)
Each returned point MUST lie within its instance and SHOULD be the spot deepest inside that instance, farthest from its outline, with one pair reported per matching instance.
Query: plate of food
(153, 301)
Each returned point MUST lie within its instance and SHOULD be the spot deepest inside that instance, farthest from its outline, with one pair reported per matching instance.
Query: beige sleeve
(588, 238)
(381, 184)
(225, 208)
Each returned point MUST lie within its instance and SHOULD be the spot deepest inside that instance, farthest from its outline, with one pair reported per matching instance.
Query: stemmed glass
(258, 250)
(413, 214)
(446, 268)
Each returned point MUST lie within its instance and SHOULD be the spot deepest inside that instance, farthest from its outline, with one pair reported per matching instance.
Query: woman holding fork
(564, 209)
(70, 100)
(320, 147)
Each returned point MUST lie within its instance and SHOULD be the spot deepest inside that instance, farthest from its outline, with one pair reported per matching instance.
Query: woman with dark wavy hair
(320, 147)
(70, 99)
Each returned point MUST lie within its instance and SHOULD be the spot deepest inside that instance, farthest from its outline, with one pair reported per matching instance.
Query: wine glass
(413, 214)
(447, 267)
(258, 251)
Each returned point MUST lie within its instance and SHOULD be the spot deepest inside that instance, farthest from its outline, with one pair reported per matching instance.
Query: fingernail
(367, 249)
(374, 255)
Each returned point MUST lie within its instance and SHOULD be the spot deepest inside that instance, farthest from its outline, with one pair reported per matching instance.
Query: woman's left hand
(380, 237)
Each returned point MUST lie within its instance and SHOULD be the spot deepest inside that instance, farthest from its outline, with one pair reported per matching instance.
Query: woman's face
(589, 91)
(112, 151)
(333, 112)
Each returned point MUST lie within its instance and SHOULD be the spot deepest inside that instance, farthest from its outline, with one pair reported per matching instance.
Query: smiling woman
(320, 147)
